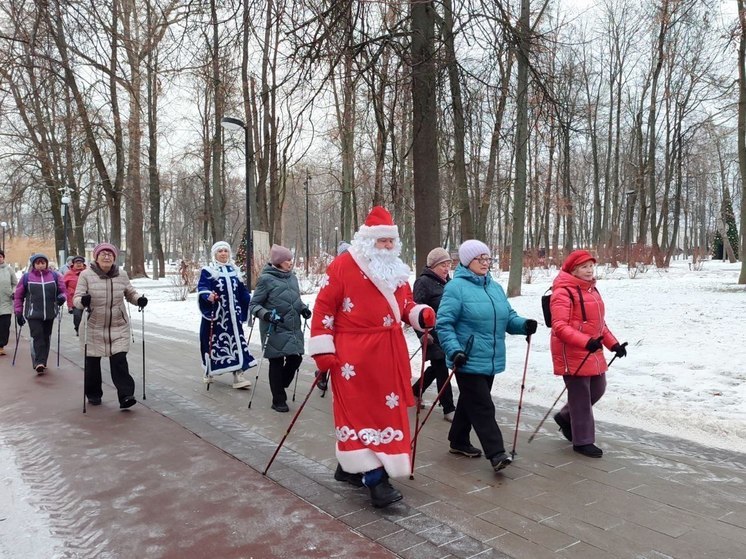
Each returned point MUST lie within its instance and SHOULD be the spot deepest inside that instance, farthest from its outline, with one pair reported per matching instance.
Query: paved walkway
(141, 483)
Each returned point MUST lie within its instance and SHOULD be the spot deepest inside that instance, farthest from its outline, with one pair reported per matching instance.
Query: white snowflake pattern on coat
(348, 371)
(324, 282)
(347, 305)
(392, 400)
(388, 320)
(328, 322)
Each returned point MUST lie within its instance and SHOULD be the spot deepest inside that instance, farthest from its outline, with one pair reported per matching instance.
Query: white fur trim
(414, 317)
(365, 460)
(385, 290)
(323, 343)
(379, 231)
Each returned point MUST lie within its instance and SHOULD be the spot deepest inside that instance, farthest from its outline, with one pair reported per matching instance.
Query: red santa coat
(570, 332)
(359, 320)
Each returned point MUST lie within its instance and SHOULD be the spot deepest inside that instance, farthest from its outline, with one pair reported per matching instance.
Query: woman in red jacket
(579, 334)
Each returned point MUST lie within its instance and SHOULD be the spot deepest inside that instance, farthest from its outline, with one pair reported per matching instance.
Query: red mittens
(326, 362)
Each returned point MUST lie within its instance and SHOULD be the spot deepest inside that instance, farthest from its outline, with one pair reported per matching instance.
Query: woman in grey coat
(276, 301)
(8, 281)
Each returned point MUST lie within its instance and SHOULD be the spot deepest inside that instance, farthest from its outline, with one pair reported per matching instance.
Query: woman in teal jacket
(474, 307)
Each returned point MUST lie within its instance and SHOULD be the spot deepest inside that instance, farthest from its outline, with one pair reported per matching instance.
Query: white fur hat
(471, 249)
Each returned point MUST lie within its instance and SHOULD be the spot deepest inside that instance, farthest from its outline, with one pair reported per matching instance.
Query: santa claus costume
(356, 334)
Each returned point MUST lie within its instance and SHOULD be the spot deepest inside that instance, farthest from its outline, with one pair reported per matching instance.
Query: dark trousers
(281, 373)
(437, 371)
(476, 409)
(5, 320)
(77, 316)
(120, 376)
(582, 393)
(41, 334)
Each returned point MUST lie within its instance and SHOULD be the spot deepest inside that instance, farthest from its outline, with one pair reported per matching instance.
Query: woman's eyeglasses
(484, 260)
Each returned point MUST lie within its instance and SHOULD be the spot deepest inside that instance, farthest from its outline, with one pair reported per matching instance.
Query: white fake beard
(384, 265)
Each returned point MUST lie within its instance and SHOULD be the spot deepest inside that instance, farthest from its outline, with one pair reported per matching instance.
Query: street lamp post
(336, 244)
(628, 224)
(230, 123)
(65, 202)
(3, 225)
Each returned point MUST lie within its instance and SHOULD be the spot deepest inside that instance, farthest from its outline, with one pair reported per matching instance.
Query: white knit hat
(471, 249)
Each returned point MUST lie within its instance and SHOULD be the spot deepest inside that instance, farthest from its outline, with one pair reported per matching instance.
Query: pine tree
(240, 258)
(732, 230)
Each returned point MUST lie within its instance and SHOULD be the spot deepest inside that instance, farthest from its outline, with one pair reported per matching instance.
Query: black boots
(352, 479)
(590, 450)
(127, 402)
(564, 426)
(383, 494)
(500, 461)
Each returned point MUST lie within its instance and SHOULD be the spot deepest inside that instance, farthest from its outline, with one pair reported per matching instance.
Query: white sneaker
(208, 379)
(239, 381)
(449, 416)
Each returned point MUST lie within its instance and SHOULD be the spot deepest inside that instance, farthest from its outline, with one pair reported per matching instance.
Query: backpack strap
(582, 303)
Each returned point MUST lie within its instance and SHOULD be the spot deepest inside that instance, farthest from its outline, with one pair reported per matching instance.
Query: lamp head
(231, 123)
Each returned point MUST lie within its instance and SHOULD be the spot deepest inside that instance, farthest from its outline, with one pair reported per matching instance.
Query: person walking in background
(428, 289)
(38, 297)
(102, 290)
(224, 304)
(356, 335)
(277, 303)
(475, 305)
(8, 282)
(70, 279)
(579, 334)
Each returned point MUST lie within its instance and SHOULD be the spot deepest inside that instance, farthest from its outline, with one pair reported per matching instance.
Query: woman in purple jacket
(38, 296)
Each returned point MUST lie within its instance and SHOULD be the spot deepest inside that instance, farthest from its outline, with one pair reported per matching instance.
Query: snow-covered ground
(685, 372)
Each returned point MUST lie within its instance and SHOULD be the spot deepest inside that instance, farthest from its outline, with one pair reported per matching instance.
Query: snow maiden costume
(356, 334)
(228, 350)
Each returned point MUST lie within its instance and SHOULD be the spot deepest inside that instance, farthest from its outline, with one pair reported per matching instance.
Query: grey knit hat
(471, 249)
(437, 256)
(279, 254)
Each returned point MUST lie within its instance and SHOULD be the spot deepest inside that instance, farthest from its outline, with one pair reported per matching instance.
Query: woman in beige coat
(102, 290)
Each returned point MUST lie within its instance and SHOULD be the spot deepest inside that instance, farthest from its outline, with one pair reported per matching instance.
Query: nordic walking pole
(419, 399)
(59, 327)
(467, 350)
(300, 409)
(208, 367)
(85, 352)
(520, 400)
(142, 332)
(261, 360)
(416, 351)
(297, 371)
(18, 336)
(543, 419)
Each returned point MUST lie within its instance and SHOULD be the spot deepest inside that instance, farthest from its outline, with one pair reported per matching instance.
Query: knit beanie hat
(437, 256)
(38, 256)
(279, 254)
(471, 249)
(77, 259)
(378, 225)
(105, 246)
(575, 259)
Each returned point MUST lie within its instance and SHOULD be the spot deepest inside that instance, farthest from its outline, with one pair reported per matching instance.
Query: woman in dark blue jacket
(474, 306)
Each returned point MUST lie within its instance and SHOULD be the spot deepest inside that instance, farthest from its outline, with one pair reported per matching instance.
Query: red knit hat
(575, 259)
(379, 225)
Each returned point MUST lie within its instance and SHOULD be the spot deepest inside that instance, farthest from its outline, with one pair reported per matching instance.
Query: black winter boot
(383, 494)
(352, 479)
(564, 426)
(590, 450)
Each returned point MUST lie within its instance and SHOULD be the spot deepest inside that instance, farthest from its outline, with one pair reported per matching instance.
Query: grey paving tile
(541, 534)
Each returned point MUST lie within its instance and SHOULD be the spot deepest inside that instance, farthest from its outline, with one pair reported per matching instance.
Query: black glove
(306, 313)
(620, 350)
(85, 300)
(20, 320)
(61, 299)
(531, 326)
(459, 359)
(69, 311)
(142, 302)
(272, 318)
(594, 344)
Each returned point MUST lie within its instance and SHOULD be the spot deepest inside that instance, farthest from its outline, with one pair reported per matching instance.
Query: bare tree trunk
(521, 135)
(218, 193)
(159, 263)
(426, 180)
(742, 133)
